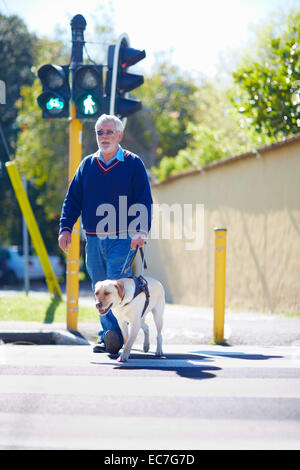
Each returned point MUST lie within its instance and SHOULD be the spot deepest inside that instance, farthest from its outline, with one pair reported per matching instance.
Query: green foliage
(170, 96)
(141, 137)
(223, 132)
(17, 56)
(207, 145)
(268, 81)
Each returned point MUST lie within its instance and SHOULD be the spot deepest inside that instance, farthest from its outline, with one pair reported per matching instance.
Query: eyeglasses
(108, 132)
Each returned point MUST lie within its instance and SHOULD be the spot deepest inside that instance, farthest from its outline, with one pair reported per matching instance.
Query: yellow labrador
(130, 306)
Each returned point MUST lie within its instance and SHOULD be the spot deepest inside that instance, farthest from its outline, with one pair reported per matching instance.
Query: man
(109, 187)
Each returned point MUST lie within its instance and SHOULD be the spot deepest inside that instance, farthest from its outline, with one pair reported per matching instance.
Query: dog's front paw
(122, 359)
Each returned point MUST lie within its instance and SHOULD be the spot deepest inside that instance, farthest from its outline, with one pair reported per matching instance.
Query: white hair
(104, 118)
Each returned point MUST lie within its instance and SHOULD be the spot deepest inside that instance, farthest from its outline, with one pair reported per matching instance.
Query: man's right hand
(64, 240)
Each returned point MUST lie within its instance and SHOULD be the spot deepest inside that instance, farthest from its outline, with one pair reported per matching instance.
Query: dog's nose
(99, 305)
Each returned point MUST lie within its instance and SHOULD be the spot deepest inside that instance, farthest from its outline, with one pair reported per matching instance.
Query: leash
(142, 253)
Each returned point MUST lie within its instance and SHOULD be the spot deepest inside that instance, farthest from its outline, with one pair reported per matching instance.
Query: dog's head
(107, 294)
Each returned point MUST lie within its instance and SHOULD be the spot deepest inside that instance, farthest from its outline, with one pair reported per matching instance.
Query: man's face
(108, 138)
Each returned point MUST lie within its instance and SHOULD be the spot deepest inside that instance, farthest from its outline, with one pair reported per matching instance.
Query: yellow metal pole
(219, 288)
(33, 228)
(75, 148)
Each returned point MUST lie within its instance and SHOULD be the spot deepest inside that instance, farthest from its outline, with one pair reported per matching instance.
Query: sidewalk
(182, 325)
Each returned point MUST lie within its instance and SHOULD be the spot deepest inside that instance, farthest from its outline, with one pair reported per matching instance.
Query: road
(195, 397)
(245, 395)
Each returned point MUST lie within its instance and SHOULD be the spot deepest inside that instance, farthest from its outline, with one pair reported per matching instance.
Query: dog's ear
(96, 288)
(120, 288)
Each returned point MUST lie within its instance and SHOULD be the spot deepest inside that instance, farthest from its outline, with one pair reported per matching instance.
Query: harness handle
(129, 260)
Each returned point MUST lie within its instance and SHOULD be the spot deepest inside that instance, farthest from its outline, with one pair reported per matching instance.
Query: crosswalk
(195, 397)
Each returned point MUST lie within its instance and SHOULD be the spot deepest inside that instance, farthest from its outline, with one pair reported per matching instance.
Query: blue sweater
(103, 194)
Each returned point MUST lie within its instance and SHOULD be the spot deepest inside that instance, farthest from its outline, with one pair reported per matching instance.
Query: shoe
(112, 342)
(99, 347)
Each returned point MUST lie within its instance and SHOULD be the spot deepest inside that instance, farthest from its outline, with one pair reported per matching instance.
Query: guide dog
(130, 299)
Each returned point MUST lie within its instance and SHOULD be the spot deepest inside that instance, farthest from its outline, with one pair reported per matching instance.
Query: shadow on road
(191, 366)
(239, 355)
(138, 362)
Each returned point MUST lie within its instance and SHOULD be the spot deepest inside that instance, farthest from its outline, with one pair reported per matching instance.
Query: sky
(199, 36)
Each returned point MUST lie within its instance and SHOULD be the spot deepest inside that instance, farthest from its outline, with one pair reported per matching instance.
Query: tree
(141, 136)
(218, 131)
(17, 56)
(170, 97)
(268, 80)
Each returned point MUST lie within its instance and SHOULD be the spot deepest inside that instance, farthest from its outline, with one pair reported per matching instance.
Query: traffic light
(87, 91)
(119, 81)
(56, 94)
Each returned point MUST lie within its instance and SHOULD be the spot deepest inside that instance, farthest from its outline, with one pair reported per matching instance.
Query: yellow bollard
(33, 229)
(219, 289)
(72, 288)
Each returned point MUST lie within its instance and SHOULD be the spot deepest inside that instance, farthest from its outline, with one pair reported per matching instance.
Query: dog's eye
(106, 293)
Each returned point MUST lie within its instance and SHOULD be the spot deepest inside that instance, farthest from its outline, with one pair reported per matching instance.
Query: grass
(44, 310)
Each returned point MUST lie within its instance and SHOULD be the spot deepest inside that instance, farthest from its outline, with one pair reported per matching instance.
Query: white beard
(106, 147)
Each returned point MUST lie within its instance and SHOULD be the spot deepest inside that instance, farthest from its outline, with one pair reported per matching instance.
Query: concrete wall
(258, 200)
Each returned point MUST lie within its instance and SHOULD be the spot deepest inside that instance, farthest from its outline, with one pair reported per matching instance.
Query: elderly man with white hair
(108, 189)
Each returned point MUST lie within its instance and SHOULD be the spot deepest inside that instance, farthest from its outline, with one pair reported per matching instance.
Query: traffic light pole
(78, 24)
(75, 147)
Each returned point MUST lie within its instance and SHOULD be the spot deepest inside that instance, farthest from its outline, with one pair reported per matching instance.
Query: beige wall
(258, 201)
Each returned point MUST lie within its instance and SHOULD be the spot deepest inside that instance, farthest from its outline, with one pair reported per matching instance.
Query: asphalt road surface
(195, 397)
(243, 395)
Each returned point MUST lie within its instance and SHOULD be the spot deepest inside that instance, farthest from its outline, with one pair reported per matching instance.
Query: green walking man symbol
(88, 105)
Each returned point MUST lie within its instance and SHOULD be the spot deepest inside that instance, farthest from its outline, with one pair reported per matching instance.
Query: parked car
(12, 266)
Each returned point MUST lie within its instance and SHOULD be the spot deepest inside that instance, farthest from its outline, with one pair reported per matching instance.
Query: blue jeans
(105, 259)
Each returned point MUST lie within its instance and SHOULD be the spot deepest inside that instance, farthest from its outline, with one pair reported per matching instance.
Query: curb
(44, 338)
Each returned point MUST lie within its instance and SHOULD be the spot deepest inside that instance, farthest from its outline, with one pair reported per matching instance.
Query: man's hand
(64, 240)
(138, 240)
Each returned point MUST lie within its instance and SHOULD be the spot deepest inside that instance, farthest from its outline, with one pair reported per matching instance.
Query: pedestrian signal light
(87, 91)
(54, 99)
(89, 106)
